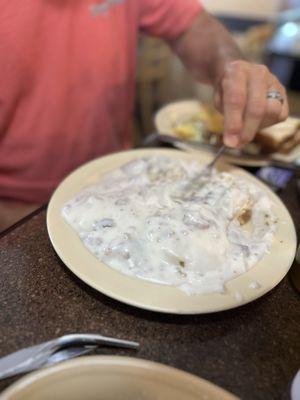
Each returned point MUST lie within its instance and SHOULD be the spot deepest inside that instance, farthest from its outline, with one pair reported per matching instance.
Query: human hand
(242, 96)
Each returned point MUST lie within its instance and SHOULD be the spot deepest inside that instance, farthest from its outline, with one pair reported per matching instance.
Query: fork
(209, 167)
(204, 174)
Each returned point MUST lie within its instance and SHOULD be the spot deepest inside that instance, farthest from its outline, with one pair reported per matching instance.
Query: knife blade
(26, 360)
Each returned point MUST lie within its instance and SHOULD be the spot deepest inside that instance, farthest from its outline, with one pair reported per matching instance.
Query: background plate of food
(148, 228)
(193, 121)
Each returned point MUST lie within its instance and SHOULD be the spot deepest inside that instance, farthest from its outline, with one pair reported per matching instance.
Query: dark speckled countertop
(252, 351)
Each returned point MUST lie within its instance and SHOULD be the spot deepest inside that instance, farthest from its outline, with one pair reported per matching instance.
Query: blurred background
(267, 32)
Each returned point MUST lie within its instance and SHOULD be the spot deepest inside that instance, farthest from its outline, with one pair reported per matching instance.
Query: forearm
(206, 48)
(240, 87)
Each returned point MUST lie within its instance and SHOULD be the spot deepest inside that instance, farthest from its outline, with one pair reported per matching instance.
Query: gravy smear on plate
(155, 219)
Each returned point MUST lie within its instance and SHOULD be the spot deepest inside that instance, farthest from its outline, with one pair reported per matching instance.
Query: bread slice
(273, 137)
(290, 144)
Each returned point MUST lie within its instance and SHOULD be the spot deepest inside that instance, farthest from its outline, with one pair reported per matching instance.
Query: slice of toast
(273, 137)
(290, 144)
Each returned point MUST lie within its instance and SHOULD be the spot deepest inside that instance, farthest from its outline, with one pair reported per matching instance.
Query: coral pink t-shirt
(67, 76)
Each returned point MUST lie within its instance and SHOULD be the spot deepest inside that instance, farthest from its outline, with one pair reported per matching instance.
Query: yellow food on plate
(200, 126)
(207, 126)
(190, 130)
(213, 120)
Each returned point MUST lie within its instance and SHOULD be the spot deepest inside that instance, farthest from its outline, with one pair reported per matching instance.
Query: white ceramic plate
(152, 296)
(113, 378)
(166, 119)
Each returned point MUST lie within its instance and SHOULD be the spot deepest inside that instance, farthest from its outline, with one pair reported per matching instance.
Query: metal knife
(67, 354)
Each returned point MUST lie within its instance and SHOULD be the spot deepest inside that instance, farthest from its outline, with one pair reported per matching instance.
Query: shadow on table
(242, 314)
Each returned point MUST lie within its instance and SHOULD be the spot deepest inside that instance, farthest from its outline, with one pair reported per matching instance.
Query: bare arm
(206, 47)
(209, 52)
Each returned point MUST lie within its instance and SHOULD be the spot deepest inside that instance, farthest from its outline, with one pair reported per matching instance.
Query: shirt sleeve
(167, 18)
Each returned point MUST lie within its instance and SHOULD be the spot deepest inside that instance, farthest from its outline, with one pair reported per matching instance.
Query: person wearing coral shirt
(67, 77)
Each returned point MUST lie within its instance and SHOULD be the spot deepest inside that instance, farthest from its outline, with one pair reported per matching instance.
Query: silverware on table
(56, 350)
(68, 353)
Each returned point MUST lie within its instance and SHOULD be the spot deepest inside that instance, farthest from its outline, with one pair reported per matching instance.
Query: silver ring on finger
(275, 95)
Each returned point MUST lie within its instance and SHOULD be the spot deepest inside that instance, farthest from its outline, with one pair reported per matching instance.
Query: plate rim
(119, 361)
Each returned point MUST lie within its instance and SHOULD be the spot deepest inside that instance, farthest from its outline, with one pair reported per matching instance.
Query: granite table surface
(252, 351)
